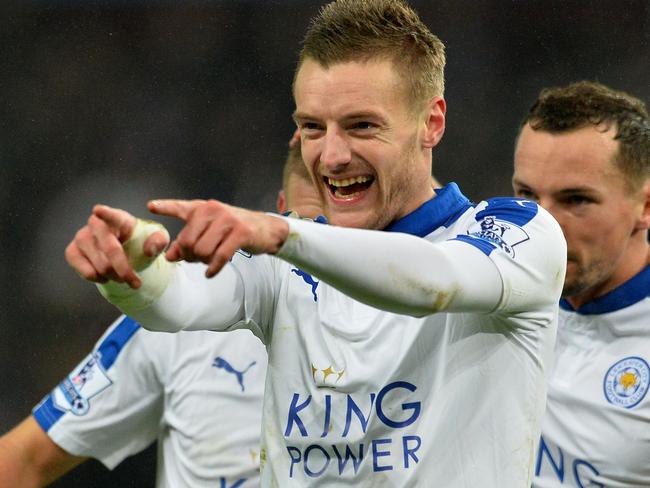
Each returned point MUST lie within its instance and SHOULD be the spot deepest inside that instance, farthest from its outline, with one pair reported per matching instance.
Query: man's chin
(573, 286)
(348, 220)
(569, 291)
(356, 220)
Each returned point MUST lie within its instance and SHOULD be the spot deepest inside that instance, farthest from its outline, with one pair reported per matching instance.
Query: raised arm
(29, 458)
(392, 271)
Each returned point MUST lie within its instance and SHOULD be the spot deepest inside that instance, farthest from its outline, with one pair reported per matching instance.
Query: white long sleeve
(391, 271)
(396, 272)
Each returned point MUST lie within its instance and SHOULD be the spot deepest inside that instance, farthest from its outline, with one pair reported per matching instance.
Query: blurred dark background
(122, 101)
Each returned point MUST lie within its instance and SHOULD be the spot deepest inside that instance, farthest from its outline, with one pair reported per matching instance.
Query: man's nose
(553, 208)
(336, 152)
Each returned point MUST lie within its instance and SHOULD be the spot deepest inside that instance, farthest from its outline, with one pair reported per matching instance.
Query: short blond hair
(362, 30)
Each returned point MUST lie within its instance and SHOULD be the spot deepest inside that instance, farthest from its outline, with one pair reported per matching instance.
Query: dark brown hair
(587, 103)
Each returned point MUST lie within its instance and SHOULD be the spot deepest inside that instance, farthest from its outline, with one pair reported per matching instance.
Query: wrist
(280, 231)
(277, 232)
(154, 271)
(155, 278)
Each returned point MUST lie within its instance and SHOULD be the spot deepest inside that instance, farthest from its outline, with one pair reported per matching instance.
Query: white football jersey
(358, 396)
(596, 431)
(198, 393)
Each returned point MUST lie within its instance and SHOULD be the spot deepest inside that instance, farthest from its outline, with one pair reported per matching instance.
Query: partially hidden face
(302, 197)
(366, 148)
(574, 176)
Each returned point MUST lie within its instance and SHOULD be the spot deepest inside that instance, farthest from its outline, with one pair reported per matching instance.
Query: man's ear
(434, 122)
(644, 220)
(281, 202)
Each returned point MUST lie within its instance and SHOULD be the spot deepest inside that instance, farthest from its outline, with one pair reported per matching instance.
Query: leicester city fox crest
(626, 382)
(85, 381)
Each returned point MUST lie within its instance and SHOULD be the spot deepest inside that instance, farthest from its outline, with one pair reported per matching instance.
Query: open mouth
(348, 188)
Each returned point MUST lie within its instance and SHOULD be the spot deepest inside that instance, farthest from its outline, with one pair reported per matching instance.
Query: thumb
(149, 239)
(156, 243)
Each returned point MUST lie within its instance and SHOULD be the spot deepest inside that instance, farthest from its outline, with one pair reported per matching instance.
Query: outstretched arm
(395, 272)
(29, 458)
(392, 271)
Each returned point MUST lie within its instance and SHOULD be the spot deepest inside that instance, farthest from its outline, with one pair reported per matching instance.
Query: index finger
(119, 221)
(180, 209)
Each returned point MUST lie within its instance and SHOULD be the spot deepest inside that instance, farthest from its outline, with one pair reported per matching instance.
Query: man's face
(301, 197)
(574, 177)
(368, 152)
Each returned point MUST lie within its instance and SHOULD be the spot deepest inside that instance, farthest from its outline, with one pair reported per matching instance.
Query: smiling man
(356, 192)
(583, 153)
(414, 356)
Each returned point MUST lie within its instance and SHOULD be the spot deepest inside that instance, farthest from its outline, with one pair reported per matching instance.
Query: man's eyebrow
(577, 189)
(518, 182)
(563, 191)
(301, 116)
(362, 114)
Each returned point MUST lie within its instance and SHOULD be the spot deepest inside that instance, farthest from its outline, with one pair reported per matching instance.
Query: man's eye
(309, 126)
(527, 194)
(577, 200)
(364, 125)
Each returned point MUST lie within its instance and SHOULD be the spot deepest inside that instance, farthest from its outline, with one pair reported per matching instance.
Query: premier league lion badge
(626, 382)
(500, 233)
(86, 381)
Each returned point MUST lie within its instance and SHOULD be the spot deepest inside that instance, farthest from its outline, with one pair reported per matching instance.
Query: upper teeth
(348, 181)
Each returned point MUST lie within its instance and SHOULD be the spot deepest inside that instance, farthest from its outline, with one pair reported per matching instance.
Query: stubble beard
(401, 190)
(585, 278)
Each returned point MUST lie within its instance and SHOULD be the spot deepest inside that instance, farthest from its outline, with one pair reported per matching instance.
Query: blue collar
(630, 292)
(442, 210)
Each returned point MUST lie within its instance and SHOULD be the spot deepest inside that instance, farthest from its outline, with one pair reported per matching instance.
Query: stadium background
(121, 101)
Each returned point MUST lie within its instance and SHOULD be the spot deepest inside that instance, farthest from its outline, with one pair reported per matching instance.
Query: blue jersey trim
(320, 219)
(632, 291)
(481, 244)
(112, 345)
(47, 413)
(443, 210)
(515, 210)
